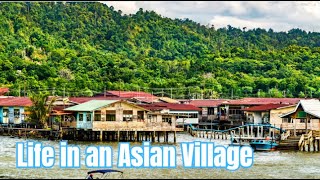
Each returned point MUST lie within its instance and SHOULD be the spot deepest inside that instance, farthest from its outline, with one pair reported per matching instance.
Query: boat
(263, 144)
(103, 173)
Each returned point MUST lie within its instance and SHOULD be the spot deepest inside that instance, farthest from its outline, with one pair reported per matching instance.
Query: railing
(285, 135)
(303, 138)
(307, 141)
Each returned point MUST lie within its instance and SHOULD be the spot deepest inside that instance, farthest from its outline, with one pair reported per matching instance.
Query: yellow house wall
(119, 124)
(119, 108)
(275, 113)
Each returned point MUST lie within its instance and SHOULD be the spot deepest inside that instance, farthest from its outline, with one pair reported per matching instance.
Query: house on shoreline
(210, 111)
(267, 113)
(233, 110)
(304, 117)
(116, 115)
(12, 109)
(176, 114)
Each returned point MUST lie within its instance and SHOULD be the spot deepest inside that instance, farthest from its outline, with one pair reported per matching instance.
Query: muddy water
(275, 164)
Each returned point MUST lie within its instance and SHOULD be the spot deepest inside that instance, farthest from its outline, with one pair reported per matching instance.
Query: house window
(80, 117)
(88, 117)
(235, 110)
(210, 111)
(285, 120)
(194, 115)
(250, 118)
(110, 115)
(127, 115)
(16, 113)
(166, 119)
(5, 112)
(140, 115)
(97, 117)
(304, 121)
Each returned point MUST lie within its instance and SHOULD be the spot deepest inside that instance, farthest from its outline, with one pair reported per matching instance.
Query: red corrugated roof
(15, 101)
(145, 99)
(170, 106)
(266, 107)
(131, 94)
(261, 101)
(3, 91)
(80, 100)
(207, 102)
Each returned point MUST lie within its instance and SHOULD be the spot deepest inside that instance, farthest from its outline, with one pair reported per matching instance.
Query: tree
(40, 109)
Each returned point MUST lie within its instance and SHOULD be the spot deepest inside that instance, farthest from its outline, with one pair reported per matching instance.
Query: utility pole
(171, 92)
(119, 87)
(232, 93)
(19, 89)
(24, 91)
(64, 90)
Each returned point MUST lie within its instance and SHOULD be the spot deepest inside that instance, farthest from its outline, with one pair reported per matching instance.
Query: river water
(275, 164)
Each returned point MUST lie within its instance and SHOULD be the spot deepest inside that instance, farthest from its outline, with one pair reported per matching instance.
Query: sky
(278, 15)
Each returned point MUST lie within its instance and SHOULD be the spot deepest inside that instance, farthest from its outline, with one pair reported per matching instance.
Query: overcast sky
(278, 15)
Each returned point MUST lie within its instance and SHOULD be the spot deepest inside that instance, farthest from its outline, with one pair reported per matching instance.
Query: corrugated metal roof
(266, 107)
(170, 106)
(207, 102)
(310, 106)
(131, 94)
(80, 100)
(15, 101)
(91, 105)
(168, 100)
(144, 99)
(260, 101)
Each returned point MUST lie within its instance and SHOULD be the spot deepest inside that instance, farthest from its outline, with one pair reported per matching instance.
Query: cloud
(278, 15)
(224, 21)
(127, 7)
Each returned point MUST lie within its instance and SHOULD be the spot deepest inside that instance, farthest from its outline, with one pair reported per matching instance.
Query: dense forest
(82, 48)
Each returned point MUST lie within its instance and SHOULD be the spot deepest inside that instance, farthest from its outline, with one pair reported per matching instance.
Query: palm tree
(40, 109)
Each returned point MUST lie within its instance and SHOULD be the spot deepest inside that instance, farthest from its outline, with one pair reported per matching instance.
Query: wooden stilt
(135, 136)
(153, 136)
(101, 135)
(167, 136)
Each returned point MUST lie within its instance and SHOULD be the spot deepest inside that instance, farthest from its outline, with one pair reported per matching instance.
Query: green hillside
(83, 48)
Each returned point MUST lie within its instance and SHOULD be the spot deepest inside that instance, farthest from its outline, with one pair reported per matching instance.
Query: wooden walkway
(241, 134)
(310, 142)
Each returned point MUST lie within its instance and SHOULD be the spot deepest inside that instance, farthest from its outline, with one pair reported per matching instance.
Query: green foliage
(41, 108)
(80, 48)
